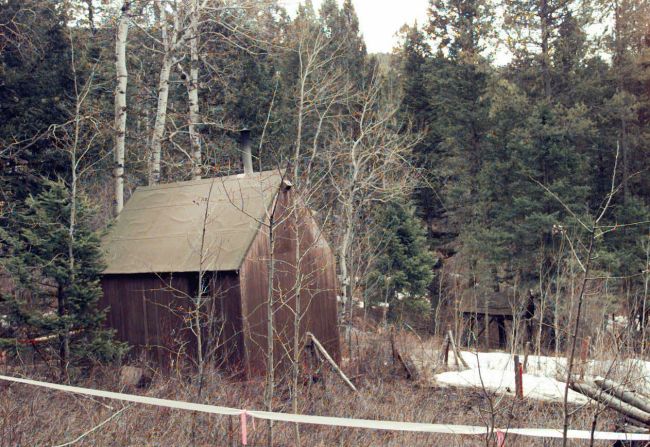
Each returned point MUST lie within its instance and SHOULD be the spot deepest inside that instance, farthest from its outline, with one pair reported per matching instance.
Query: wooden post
(456, 351)
(584, 351)
(445, 349)
(503, 337)
(331, 361)
(526, 353)
(356, 335)
(486, 328)
(519, 388)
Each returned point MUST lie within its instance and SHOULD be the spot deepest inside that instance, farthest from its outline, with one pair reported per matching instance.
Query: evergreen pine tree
(624, 123)
(541, 134)
(405, 265)
(35, 80)
(341, 25)
(57, 277)
(411, 60)
(461, 29)
(413, 63)
(519, 213)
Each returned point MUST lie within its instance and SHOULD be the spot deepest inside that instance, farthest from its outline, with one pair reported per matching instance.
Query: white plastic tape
(334, 421)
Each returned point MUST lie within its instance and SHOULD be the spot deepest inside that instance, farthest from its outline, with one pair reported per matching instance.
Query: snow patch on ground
(544, 375)
(495, 372)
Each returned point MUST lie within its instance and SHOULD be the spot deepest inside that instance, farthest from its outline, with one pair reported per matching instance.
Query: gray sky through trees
(379, 20)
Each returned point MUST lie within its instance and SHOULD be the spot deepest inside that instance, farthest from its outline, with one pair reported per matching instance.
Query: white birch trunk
(163, 95)
(344, 261)
(193, 92)
(120, 106)
(159, 123)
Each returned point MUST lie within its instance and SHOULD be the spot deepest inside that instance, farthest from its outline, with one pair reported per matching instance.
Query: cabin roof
(481, 301)
(161, 228)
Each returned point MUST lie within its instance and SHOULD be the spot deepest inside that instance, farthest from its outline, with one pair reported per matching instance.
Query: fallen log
(633, 422)
(610, 401)
(624, 394)
(11, 342)
(331, 361)
(627, 428)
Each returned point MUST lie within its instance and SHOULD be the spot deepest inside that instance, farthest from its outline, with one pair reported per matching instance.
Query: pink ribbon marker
(243, 419)
(501, 439)
(244, 432)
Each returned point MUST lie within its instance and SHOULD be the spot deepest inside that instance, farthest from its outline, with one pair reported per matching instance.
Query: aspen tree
(121, 77)
(193, 91)
(163, 93)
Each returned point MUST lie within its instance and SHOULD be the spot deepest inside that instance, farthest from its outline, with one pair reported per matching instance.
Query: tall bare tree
(168, 43)
(174, 33)
(367, 164)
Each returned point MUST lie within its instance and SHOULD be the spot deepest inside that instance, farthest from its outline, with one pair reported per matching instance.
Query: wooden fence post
(526, 353)
(519, 386)
(446, 343)
(456, 351)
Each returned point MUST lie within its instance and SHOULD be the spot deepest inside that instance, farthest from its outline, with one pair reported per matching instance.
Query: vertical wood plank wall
(253, 278)
(226, 339)
(148, 312)
(143, 309)
(318, 284)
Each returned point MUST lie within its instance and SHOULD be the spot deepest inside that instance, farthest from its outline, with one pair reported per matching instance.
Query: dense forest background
(433, 169)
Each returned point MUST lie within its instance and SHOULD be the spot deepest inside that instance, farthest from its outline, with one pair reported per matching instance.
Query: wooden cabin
(169, 236)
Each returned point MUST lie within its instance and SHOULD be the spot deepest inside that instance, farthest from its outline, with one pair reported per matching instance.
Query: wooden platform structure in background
(479, 305)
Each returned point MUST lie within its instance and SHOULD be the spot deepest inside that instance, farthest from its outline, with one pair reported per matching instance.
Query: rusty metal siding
(318, 286)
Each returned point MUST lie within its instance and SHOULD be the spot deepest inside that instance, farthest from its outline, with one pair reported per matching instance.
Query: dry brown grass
(30, 416)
